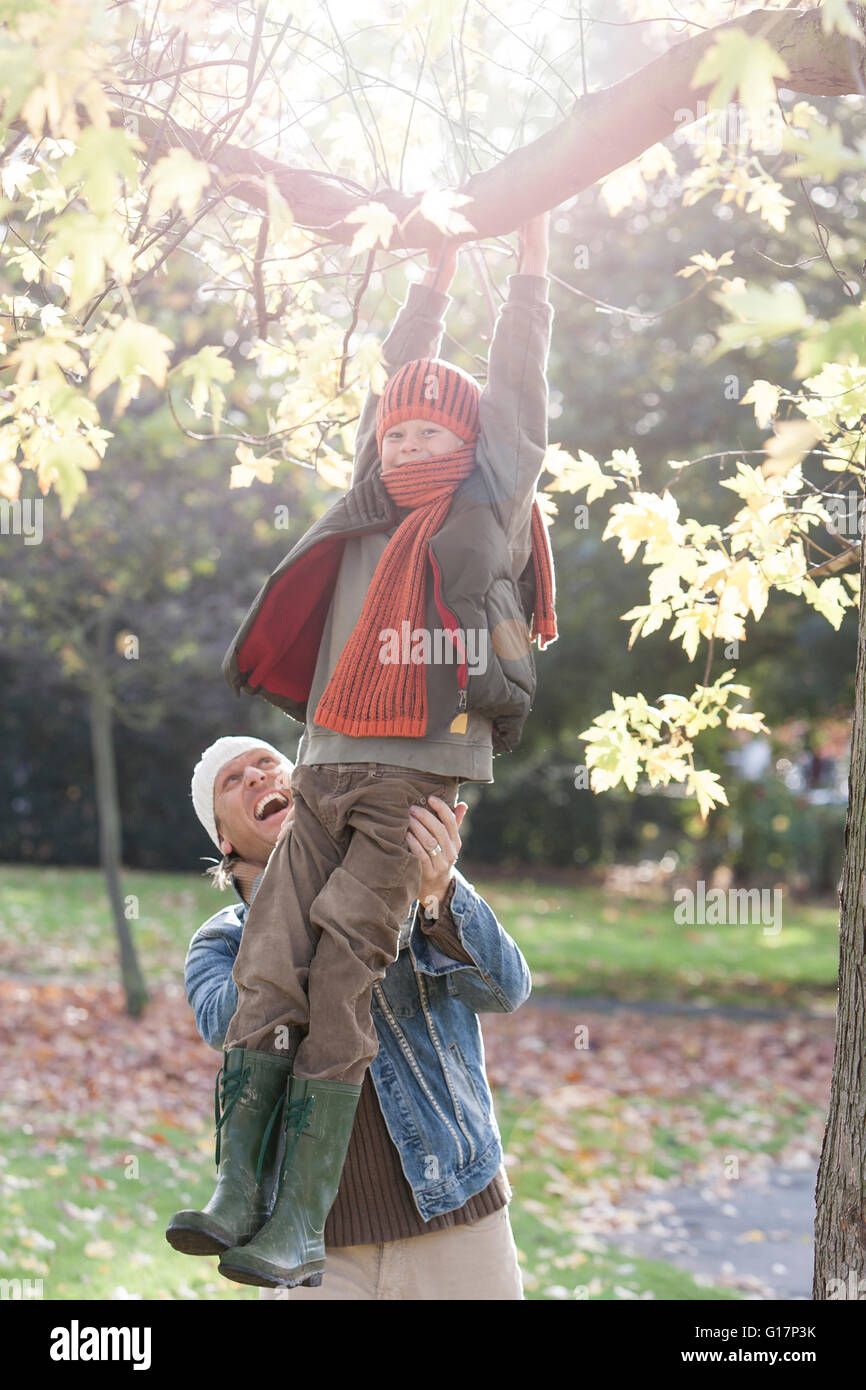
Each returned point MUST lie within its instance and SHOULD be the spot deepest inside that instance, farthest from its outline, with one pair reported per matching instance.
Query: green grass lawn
(576, 939)
(80, 1217)
(582, 941)
(86, 1214)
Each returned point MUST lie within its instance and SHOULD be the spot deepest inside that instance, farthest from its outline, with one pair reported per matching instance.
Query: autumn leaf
(15, 176)
(766, 197)
(177, 178)
(334, 468)
(649, 617)
(707, 788)
(571, 474)
(10, 480)
(821, 152)
(647, 518)
(102, 157)
(836, 15)
(628, 185)
(81, 248)
(62, 465)
(205, 369)
(758, 314)
(791, 442)
(99, 1250)
(439, 206)
(250, 468)
(376, 227)
(704, 261)
(280, 214)
(829, 599)
(547, 507)
(764, 395)
(127, 353)
(740, 64)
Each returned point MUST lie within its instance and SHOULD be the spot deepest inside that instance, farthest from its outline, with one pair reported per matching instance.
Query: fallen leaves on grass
(588, 1123)
(65, 1051)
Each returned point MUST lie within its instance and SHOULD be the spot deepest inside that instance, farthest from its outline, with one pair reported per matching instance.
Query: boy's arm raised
(416, 332)
(513, 438)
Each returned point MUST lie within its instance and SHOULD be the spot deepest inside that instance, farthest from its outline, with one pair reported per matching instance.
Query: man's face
(416, 439)
(252, 799)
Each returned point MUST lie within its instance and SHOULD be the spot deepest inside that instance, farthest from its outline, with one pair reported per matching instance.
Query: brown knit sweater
(375, 1202)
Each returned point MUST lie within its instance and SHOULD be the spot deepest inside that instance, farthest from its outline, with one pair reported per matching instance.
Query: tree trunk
(108, 813)
(840, 1222)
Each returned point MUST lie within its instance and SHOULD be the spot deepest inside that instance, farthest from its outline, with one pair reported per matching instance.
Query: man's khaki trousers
(475, 1262)
(324, 925)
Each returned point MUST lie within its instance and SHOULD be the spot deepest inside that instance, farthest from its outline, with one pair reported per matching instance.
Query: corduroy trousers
(476, 1262)
(325, 923)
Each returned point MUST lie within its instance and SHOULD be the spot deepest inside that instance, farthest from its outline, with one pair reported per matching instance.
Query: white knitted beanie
(205, 774)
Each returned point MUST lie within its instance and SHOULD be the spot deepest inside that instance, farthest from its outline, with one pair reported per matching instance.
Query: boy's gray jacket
(429, 1072)
(482, 578)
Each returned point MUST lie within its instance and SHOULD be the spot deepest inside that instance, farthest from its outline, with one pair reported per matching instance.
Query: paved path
(755, 1236)
(671, 1008)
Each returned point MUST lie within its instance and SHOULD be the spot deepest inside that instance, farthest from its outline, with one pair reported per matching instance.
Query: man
(422, 1209)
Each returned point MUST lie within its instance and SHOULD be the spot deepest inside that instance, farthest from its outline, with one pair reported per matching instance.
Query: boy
(437, 541)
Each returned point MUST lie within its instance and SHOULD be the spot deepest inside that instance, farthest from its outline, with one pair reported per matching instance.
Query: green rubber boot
(289, 1249)
(251, 1089)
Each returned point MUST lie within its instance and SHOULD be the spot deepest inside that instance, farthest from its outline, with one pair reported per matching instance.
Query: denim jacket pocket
(470, 1100)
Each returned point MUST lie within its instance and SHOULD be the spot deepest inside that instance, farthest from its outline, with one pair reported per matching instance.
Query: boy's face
(417, 439)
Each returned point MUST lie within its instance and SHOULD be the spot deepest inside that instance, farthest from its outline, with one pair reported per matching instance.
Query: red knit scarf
(370, 698)
(544, 617)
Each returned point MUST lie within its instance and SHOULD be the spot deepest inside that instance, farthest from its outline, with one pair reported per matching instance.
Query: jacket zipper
(453, 627)
(422, 989)
(410, 1057)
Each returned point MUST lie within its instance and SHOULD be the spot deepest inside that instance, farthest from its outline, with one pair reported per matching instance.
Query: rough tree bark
(840, 1194)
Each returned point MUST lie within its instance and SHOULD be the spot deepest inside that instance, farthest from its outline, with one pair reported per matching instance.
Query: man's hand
(439, 826)
(534, 245)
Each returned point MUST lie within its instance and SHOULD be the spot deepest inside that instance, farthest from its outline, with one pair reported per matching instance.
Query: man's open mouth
(270, 804)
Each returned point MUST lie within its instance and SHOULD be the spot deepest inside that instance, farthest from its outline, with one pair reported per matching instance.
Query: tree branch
(604, 131)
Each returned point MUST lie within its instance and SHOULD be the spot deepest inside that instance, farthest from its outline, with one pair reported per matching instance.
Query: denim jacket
(429, 1071)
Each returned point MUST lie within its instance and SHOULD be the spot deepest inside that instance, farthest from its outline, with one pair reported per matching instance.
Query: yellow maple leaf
(376, 225)
(439, 206)
(705, 785)
(764, 395)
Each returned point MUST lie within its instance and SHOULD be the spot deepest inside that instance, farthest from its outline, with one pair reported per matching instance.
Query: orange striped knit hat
(430, 389)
